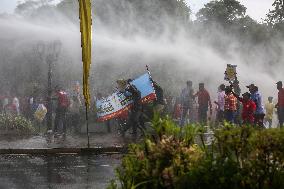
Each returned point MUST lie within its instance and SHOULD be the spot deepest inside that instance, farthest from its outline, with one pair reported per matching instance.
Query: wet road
(61, 171)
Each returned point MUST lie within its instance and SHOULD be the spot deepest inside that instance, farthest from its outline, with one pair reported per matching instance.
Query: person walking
(186, 102)
(63, 104)
(16, 103)
(204, 102)
(280, 103)
(220, 104)
(230, 105)
(257, 98)
(269, 108)
(75, 109)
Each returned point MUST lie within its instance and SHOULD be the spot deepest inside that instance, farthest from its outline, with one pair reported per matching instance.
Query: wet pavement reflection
(60, 171)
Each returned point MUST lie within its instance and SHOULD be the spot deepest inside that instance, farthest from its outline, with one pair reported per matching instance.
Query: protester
(257, 98)
(237, 90)
(63, 103)
(269, 108)
(220, 104)
(187, 97)
(10, 108)
(177, 109)
(230, 105)
(280, 103)
(203, 103)
(249, 108)
(75, 107)
(130, 91)
(5, 103)
(16, 103)
(159, 103)
(169, 103)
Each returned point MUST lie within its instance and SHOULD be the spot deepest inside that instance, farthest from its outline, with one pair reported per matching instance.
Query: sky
(256, 9)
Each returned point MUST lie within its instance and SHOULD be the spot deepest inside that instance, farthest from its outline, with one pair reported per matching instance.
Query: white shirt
(221, 100)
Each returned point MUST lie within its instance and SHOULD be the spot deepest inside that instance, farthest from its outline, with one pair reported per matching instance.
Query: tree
(221, 11)
(276, 16)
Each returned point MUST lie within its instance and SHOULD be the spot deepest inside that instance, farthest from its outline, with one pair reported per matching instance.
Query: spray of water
(122, 47)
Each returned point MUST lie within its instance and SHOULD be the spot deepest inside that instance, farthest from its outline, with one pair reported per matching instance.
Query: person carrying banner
(187, 98)
(237, 90)
(130, 91)
(230, 105)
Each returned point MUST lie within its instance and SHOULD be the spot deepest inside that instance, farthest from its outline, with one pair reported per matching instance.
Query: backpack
(63, 100)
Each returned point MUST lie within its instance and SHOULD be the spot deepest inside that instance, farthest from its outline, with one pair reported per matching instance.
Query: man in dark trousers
(257, 98)
(187, 98)
(130, 91)
(63, 104)
(280, 103)
(204, 102)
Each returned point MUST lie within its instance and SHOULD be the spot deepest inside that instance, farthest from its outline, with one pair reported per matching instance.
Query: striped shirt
(230, 102)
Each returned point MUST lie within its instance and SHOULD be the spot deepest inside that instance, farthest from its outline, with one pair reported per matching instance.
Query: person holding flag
(130, 91)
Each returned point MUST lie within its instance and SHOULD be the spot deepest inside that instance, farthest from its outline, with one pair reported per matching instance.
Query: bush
(238, 157)
(15, 124)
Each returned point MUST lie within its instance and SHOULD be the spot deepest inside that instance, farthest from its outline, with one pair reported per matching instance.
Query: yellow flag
(85, 14)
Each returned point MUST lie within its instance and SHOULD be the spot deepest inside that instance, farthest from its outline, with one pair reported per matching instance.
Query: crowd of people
(231, 105)
(66, 109)
(189, 107)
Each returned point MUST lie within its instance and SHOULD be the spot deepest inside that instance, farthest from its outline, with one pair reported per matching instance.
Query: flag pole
(85, 16)
(87, 124)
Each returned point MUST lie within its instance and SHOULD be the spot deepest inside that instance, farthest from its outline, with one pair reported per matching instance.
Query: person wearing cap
(203, 102)
(230, 105)
(280, 103)
(249, 108)
(237, 90)
(186, 102)
(220, 104)
(269, 108)
(257, 98)
(132, 92)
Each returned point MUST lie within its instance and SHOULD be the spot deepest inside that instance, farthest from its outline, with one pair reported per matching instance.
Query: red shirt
(203, 98)
(281, 97)
(249, 108)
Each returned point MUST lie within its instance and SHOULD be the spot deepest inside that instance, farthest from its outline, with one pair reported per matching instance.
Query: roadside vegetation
(174, 157)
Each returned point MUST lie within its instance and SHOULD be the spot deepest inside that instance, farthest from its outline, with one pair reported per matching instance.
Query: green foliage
(223, 11)
(16, 124)
(238, 157)
(276, 15)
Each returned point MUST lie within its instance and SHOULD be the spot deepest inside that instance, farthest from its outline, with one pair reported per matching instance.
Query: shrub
(15, 124)
(238, 157)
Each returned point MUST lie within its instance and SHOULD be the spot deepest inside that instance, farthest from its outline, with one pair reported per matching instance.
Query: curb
(53, 151)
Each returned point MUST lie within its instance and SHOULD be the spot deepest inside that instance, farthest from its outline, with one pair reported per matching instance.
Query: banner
(118, 103)
(231, 72)
(40, 112)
